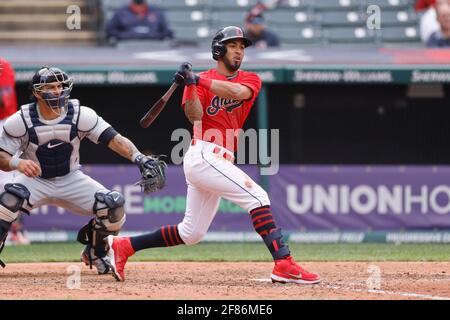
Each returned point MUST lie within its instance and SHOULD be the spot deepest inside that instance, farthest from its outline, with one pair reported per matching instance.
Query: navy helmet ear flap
(218, 50)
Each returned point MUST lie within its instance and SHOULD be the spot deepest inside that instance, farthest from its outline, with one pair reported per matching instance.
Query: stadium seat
(298, 35)
(187, 17)
(192, 35)
(299, 4)
(400, 34)
(398, 18)
(179, 4)
(391, 4)
(115, 3)
(288, 17)
(231, 4)
(344, 5)
(228, 17)
(167, 4)
(341, 19)
(144, 44)
(349, 35)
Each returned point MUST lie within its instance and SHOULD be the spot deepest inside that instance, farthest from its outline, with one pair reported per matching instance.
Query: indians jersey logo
(218, 104)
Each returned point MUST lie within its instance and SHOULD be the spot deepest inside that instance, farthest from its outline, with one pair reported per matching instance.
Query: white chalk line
(376, 291)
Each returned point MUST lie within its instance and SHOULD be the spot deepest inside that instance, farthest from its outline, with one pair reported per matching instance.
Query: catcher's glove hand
(153, 173)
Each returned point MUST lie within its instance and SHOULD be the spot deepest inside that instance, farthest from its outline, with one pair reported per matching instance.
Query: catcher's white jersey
(54, 144)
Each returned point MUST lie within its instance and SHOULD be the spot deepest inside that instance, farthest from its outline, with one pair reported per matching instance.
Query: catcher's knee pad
(109, 219)
(108, 209)
(12, 200)
(189, 235)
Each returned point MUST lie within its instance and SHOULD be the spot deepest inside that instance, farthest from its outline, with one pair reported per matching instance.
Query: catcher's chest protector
(54, 145)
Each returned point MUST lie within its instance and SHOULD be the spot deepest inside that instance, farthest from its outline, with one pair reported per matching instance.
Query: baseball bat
(157, 107)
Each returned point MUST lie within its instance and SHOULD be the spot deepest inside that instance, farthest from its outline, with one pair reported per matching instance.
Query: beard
(231, 66)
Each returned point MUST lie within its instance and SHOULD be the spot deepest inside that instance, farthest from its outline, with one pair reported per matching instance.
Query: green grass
(65, 252)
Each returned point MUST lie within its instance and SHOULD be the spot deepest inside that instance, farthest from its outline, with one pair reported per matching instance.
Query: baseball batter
(216, 101)
(47, 134)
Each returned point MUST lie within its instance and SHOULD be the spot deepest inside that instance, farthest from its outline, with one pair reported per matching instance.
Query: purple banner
(310, 198)
(361, 198)
(144, 212)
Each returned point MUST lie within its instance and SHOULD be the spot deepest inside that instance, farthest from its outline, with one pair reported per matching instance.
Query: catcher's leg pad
(277, 247)
(109, 219)
(4, 228)
(12, 201)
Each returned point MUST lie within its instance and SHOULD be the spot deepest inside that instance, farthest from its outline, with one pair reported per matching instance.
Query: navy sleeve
(107, 135)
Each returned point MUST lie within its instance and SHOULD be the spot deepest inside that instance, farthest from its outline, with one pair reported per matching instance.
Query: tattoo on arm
(193, 110)
(123, 146)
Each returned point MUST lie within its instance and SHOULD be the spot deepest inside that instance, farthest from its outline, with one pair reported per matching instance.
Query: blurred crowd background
(190, 22)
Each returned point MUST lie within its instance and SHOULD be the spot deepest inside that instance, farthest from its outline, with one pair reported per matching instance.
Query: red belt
(217, 150)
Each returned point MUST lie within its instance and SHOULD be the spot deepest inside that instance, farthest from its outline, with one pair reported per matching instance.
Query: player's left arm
(123, 146)
(98, 130)
(230, 90)
(246, 89)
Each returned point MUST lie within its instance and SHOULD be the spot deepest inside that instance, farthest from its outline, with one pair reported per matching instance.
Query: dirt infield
(226, 280)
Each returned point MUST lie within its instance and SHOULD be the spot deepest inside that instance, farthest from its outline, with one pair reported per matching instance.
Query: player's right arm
(192, 106)
(193, 97)
(12, 140)
(27, 167)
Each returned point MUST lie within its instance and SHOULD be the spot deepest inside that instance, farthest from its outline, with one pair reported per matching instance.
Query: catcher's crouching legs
(109, 219)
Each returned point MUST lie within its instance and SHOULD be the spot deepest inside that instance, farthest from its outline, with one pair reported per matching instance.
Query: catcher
(42, 142)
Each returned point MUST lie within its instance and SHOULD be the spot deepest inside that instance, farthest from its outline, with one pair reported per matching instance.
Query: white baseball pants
(210, 177)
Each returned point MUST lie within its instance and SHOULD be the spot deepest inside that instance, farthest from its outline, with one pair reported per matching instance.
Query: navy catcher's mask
(51, 75)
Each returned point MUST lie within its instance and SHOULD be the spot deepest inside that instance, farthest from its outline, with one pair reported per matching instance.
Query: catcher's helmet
(47, 75)
(218, 47)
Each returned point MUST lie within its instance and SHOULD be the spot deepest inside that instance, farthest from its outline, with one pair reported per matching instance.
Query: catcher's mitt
(153, 173)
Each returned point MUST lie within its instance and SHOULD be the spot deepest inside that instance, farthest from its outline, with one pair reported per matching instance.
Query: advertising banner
(361, 198)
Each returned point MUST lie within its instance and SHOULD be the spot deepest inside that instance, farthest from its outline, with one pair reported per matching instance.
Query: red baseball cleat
(119, 250)
(288, 271)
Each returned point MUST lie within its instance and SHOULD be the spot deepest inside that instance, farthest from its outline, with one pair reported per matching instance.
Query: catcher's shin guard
(4, 228)
(110, 216)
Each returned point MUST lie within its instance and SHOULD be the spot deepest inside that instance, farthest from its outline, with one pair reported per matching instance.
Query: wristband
(205, 83)
(14, 163)
(137, 157)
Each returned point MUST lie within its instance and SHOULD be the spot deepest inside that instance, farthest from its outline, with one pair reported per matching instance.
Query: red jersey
(8, 98)
(221, 116)
(424, 4)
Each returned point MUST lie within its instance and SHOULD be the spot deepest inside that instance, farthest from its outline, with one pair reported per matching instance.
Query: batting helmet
(218, 47)
(47, 75)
